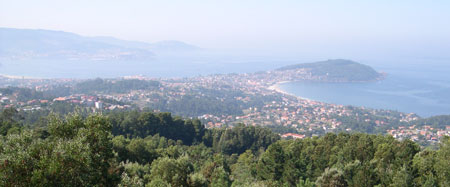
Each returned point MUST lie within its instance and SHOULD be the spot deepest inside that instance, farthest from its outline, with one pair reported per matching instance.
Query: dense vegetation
(26, 94)
(199, 101)
(155, 149)
(190, 105)
(116, 86)
(437, 122)
(338, 70)
(88, 87)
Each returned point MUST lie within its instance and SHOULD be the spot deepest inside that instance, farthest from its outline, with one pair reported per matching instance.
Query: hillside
(48, 44)
(157, 47)
(339, 70)
(133, 148)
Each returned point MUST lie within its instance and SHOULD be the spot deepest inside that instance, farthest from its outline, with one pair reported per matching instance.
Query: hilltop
(337, 70)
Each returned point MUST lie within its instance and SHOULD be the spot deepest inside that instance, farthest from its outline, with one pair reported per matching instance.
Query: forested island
(336, 70)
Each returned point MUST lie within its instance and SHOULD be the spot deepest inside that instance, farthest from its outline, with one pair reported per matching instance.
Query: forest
(338, 70)
(142, 148)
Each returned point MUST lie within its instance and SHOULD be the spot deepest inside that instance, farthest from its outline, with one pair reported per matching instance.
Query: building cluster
(96, 102)
(426, 133)
(273, 107)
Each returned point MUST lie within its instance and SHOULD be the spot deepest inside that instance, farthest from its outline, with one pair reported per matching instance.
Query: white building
(98, 105)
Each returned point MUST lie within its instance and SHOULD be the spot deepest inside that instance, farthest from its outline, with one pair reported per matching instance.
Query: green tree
(424, 163)
(442, 165)
(9, 121)
(243, 171)
(271, 164)
(172, 171)
(197, 180)
(402, 177)
(220, 177)
(331, 178)
(305, 183)
(80, 156)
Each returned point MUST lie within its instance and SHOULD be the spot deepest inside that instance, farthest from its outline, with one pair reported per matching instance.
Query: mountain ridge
(62, 45)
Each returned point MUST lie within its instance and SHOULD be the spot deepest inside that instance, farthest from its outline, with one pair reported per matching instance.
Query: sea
(414, 86)
(421, 88)
(161, 67)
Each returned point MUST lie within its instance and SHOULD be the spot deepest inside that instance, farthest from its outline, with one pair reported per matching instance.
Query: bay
(420, 90)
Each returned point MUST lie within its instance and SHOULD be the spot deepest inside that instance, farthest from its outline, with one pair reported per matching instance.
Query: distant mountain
(48, 44)
(161, 46)
(338, 70)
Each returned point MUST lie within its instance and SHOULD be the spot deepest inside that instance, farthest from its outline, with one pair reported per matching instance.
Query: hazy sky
(242, 24)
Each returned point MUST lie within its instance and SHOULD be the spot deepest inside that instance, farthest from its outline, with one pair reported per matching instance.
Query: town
(228, 99)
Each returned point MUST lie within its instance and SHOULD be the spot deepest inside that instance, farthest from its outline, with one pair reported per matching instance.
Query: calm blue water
(418, 89)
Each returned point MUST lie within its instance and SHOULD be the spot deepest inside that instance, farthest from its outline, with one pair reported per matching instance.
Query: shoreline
(19, 77)
(276, 87)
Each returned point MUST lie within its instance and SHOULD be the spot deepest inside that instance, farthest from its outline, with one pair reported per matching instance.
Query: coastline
(19, 77)
(276, 87)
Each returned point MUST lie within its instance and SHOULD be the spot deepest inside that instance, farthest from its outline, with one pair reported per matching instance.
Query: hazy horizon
(337, 29)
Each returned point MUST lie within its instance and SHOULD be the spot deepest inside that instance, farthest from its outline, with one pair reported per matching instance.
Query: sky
(295, 25)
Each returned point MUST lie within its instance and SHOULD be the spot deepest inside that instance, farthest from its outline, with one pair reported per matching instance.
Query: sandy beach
(276, 87)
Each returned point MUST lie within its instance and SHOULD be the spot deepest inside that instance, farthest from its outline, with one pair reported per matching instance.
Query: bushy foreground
(149, 149)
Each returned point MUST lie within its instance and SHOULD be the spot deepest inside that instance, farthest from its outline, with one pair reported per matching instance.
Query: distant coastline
(18, 77)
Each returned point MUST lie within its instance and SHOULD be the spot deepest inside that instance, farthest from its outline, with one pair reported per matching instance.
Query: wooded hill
(338, 70)
(156, 149)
